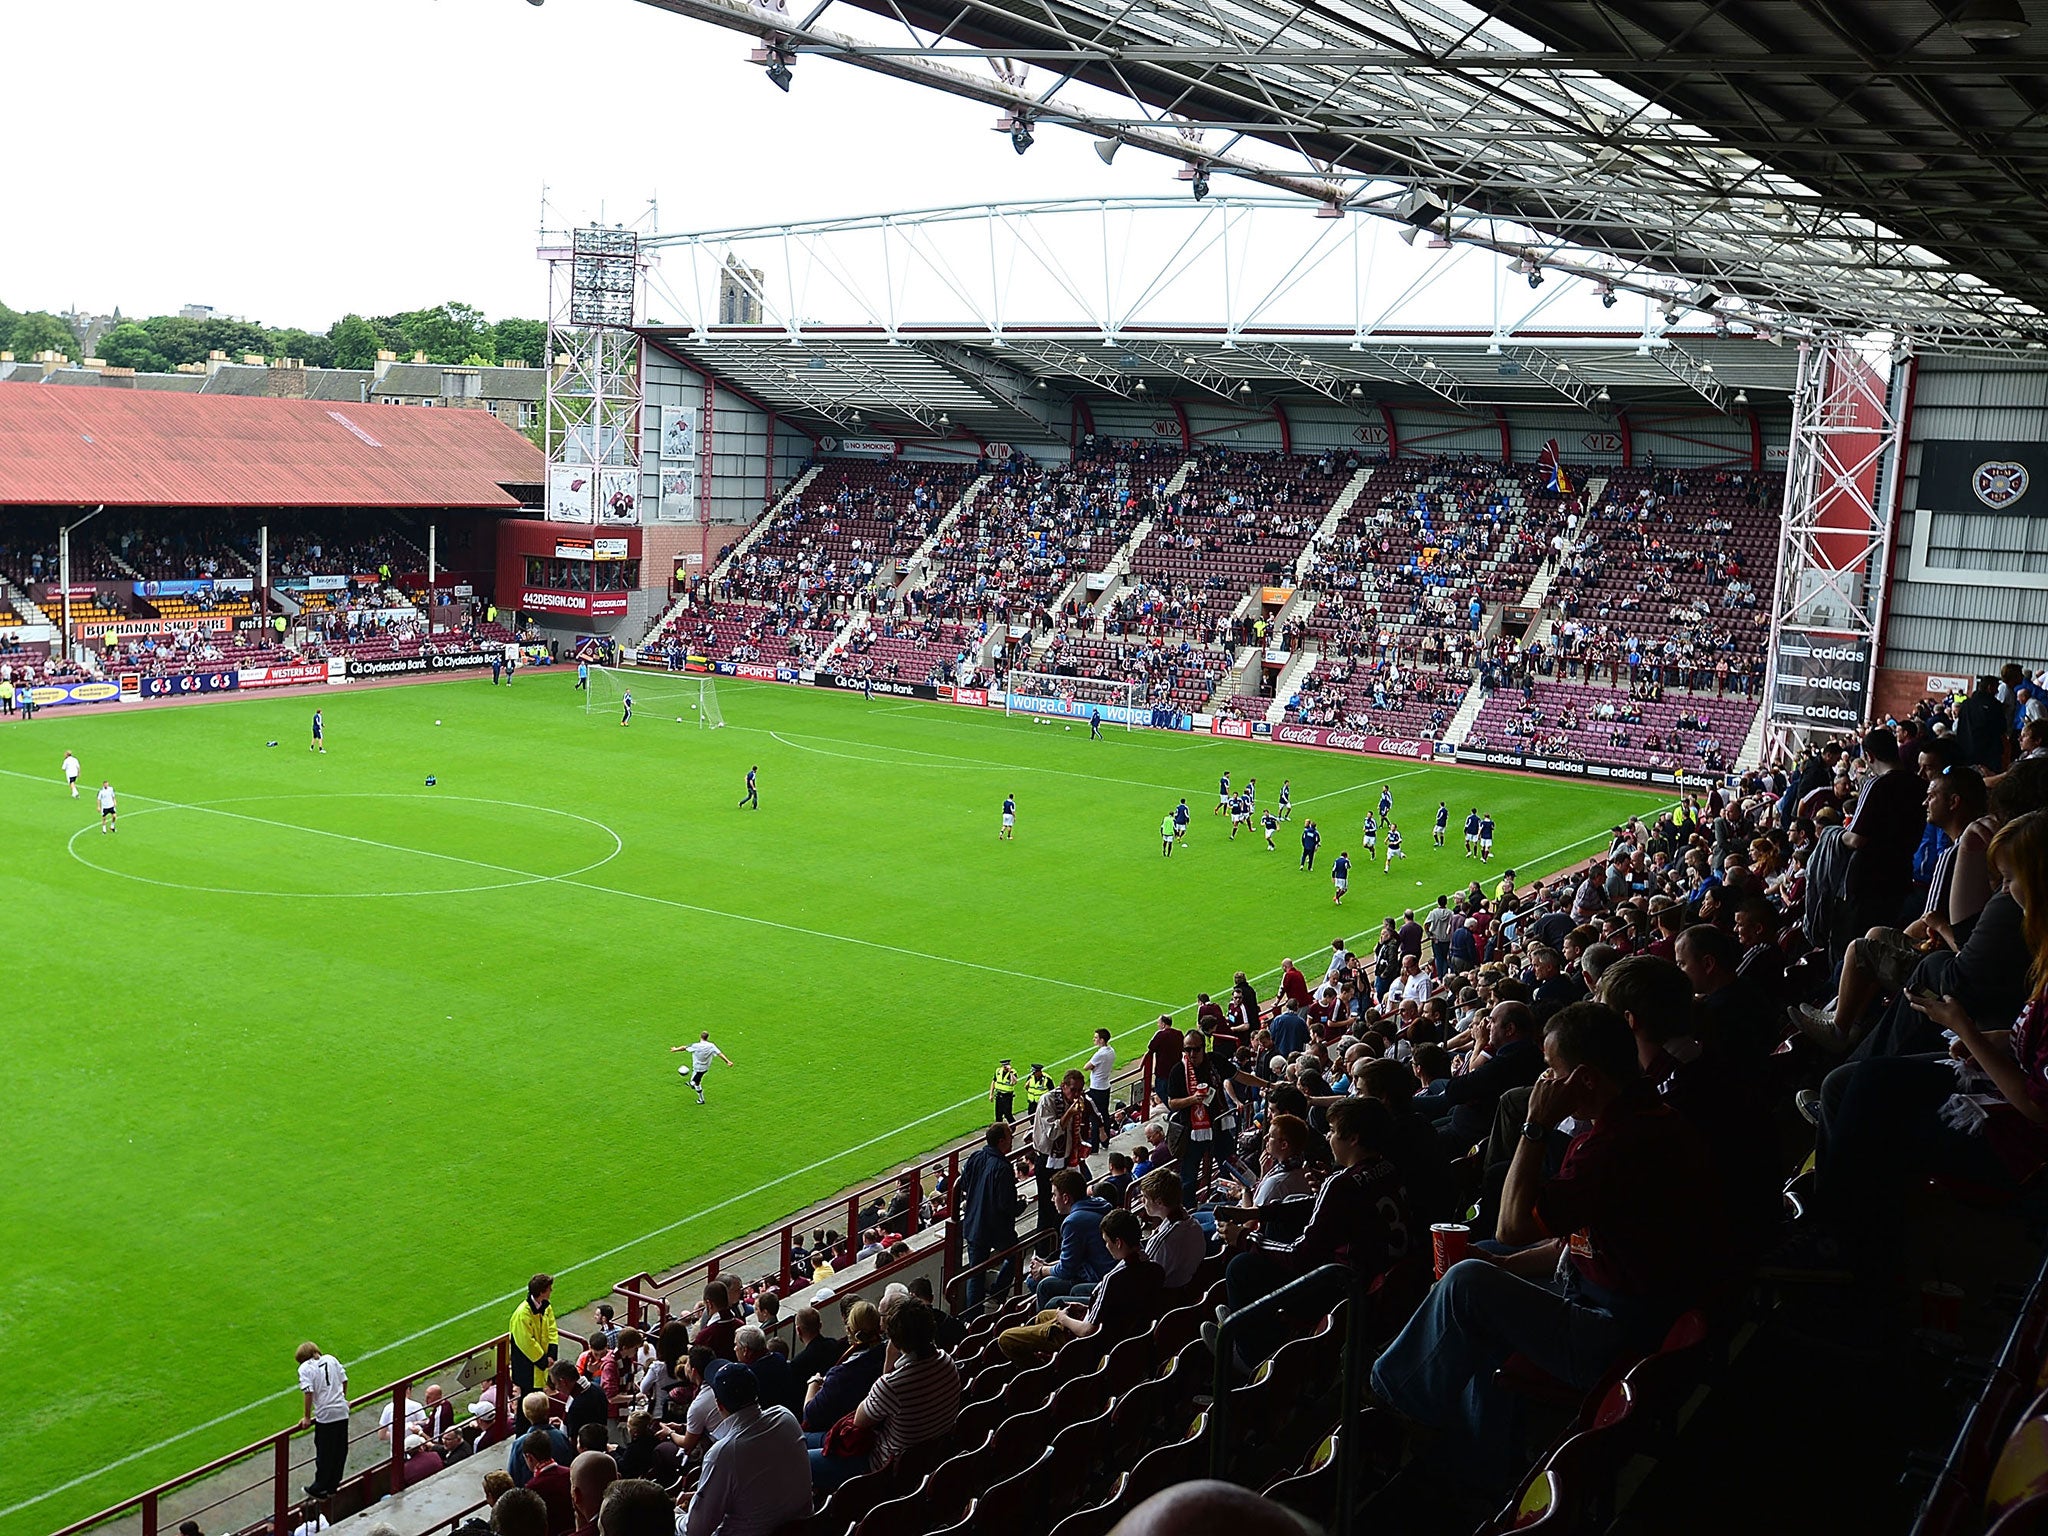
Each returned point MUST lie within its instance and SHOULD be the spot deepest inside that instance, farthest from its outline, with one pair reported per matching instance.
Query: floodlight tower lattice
(596, 293)
(1843, 465)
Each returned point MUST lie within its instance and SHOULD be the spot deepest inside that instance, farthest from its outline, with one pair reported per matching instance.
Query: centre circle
(227, 846)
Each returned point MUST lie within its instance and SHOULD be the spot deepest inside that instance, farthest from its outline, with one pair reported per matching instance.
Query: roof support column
(1393, 433)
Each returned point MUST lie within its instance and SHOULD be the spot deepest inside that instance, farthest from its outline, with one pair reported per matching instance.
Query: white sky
(290, 161)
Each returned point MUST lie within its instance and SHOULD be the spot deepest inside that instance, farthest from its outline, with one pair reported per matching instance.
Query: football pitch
(310, 1049)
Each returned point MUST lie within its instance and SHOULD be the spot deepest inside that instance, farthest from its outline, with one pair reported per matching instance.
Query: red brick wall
(1898, 690)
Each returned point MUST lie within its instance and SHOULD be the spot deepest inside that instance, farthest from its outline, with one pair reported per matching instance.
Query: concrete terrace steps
(1118, 571)
(915, 566)
(1299, 665)
(795, 490)
(783, 503)
(24, 605)
(1327, 529)
(1234, 677)
(1461, 723)
(1752, 752)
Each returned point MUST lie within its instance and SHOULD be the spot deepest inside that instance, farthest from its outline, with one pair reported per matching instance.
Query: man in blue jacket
(1083, 1257)
(988, 1211)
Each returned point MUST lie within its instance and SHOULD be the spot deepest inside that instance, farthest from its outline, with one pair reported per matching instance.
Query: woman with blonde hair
(830, 1397)
(1979, 1114)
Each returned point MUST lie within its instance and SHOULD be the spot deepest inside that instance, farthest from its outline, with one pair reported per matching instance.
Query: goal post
(1057, 695)
(690, 697)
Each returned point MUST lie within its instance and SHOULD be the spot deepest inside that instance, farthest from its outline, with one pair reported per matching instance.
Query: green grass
(308, 1049)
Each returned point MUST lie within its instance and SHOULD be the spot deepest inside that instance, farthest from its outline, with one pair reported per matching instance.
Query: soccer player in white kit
(71, 772)
(702, 1054)
(107, 808)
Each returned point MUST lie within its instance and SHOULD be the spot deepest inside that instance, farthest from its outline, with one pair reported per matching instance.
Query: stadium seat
(1142, 1413)
(850, 1500)
(2029, 1518)
(1164, 1465)
(1574, 1487)
(953, 1484)
(1095, 1519)
(1312, 1492)
(1012, 1507)
(1128, 1364)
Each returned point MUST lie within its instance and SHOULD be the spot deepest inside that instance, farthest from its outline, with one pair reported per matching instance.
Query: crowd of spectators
(1668, 578)
(1603, 1080)
(1035, 527)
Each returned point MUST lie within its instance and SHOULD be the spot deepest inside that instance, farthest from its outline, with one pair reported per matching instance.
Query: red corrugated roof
(81, 447)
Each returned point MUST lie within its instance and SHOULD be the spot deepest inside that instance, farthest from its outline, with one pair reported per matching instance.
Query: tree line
(448, 333)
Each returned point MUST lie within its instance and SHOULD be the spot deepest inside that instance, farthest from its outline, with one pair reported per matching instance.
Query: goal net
(1055, 694)
(689, 697)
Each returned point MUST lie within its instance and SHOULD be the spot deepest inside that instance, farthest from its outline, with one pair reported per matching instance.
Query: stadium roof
(1845, 164)
(930, 380)
(82, 447)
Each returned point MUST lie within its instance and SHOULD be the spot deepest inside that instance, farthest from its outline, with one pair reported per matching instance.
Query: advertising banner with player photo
(571, 489)
(678, 492)
(1820, 679)
(1980, 477)
(618, 494)
(679, 435)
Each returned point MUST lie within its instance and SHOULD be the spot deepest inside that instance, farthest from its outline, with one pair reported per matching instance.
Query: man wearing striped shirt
(916, 1399)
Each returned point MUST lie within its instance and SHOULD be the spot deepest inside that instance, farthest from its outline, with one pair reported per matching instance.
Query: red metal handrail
(148, 1504)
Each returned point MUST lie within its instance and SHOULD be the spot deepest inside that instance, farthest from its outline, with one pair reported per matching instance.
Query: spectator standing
(1161, 1052)
(325, 1385)
(1980, 727)
(1056, 1137)
(535, 1339)
(1438, 925)
(1101, 1068)
(988, 1210)
(1882, 834)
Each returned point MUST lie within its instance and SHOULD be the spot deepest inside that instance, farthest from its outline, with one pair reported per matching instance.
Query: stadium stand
(1718, 1129)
